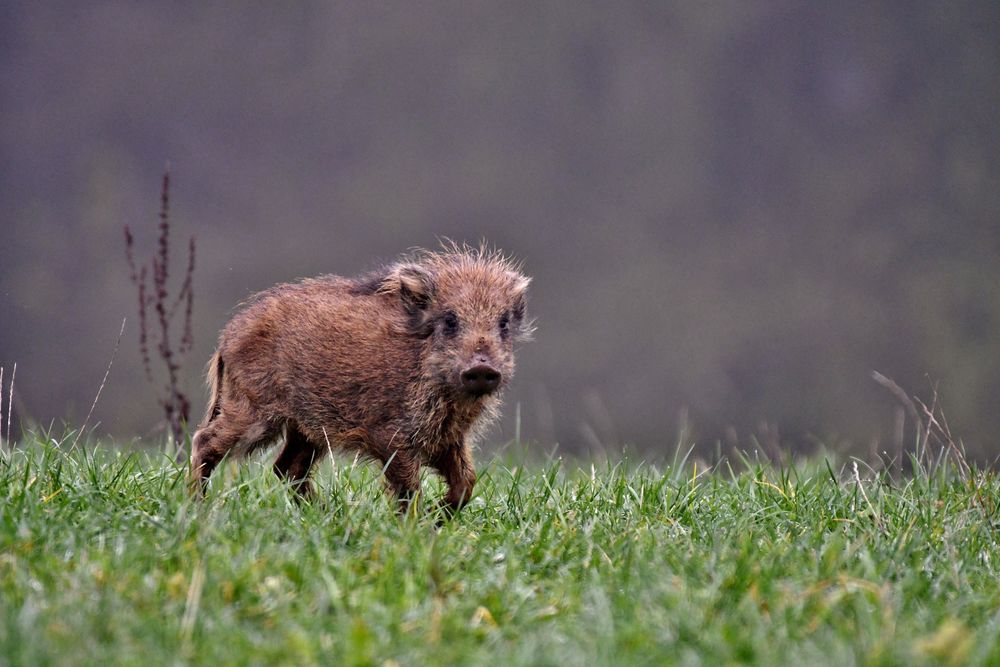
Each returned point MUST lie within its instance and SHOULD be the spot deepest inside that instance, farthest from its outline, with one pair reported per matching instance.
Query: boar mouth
(480, 379)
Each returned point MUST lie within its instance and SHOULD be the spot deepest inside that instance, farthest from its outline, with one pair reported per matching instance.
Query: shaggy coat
(404, 365)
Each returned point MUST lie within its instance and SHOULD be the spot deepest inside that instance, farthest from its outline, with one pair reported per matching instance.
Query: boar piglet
(405, 365)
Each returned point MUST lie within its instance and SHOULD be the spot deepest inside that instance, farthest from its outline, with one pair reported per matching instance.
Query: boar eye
(504, 324)
(450, 321)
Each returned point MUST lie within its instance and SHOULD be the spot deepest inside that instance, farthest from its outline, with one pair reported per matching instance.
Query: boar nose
(480, 379)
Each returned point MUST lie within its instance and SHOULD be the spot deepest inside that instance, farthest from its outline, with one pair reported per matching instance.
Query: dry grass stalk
(156, 296)
(107, 372)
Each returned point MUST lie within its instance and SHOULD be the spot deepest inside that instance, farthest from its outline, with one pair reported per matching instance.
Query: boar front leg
(455, 465)
(402, 474)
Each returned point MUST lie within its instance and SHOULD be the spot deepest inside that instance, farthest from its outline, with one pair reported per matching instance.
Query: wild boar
(405, 365)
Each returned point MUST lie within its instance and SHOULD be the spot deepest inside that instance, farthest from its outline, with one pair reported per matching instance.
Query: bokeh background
(733, 211)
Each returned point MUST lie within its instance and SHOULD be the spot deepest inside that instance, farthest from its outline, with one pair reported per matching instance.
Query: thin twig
(899, 393)
(904, 398)
(857, 478)
(10, 405)
(944, 434)
(328, 447)
(1, 407)
(898, 438)
(193, 602)
(101, 388)
(930, 423)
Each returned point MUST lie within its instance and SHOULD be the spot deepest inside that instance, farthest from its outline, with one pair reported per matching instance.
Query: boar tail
(214, 380)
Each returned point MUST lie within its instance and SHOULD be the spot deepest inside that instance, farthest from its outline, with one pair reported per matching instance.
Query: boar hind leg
(296, 460)
(455, 465)
(227, 434)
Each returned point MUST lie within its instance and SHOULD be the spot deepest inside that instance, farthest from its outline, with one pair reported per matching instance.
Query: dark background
(731, 210)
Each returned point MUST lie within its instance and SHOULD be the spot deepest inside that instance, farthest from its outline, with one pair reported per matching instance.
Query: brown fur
(370, 364)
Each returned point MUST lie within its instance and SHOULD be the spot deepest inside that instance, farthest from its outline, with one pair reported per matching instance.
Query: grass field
(104, 560)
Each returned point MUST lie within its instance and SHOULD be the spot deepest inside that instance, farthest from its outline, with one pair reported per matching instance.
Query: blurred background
(733, 211)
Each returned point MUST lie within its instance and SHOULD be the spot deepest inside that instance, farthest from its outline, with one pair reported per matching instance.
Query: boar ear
(412, 283)
(524, 327)
(521, 285)
(518, 291)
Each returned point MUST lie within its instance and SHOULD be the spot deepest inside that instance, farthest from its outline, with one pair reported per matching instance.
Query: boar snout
(480, 379)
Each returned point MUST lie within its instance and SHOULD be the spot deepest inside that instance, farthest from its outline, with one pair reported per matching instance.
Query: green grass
(104, 560)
